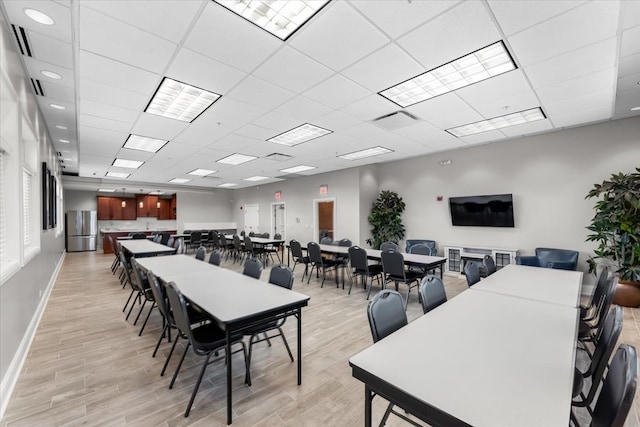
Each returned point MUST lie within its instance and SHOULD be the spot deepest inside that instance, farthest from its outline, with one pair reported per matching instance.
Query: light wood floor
(88, 366)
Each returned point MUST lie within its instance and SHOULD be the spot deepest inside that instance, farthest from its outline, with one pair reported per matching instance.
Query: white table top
(144, 246)
(258, 240)
(226, 295)
(487, 359)
(540, 284)
(376, 254)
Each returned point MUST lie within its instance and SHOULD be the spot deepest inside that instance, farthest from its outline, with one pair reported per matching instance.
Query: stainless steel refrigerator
(82, 230)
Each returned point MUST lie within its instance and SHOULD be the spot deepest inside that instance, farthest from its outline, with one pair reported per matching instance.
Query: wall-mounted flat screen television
(482, 211)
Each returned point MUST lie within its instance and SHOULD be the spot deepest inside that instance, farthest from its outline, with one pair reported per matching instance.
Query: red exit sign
(324, 189)
(278, 195)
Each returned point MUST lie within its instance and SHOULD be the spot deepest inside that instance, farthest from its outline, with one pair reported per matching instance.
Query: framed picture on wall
(46, 180)
(52, 202)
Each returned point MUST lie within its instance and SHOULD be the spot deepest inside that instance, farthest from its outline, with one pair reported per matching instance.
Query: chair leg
(130, 295)
(135, 322)
(197, 386)
(175, 374)
(133, 304)
(147, 318)
(386, 414)
(166, 362)
(160, 339)
(286, 344)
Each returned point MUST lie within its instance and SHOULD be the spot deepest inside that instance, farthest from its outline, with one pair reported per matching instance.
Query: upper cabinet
(144, 206)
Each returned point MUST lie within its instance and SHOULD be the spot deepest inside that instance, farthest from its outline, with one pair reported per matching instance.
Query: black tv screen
(482, 211)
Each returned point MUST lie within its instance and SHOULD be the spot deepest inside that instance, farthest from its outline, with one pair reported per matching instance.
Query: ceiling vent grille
(22, 40)
(37, 87)
(396, 120)
(278, 157)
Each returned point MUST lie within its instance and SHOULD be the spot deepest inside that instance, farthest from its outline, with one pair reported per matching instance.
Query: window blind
(26, 206)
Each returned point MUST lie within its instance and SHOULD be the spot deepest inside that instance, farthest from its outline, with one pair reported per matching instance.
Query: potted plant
(386, 219)
(616, 228)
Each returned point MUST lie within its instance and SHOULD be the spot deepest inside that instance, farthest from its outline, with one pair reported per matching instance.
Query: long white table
(234, 301)
(540, 284)
(144, 248)
(484, 358)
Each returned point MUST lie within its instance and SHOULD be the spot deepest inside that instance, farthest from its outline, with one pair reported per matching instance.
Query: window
(30, 192)
(3, 220)
(26, 207)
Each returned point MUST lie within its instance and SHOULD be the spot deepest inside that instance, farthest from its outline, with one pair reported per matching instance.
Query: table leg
(299, 346)
(367, 406)
(228, 356)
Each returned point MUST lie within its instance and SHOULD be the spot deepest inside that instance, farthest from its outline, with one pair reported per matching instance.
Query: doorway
(278, 220)
(324, 218)
(251, 219)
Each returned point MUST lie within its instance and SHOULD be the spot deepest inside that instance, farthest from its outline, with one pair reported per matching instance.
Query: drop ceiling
(577, 60)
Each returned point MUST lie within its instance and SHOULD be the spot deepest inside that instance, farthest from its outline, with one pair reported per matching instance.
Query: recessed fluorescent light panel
(297, 169)
(227, 184)
(256, 178)
(280, 18)
(302, 133)
(122, 163)
(480, 65)
(179, 180)
(201, 172)
(369, 152)
(144, 143)
(236, 159)
(180, 101)
(106, 190)
(118, 175)
(514, 119)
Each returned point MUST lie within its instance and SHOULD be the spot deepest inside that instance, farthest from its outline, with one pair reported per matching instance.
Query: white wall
(205, 207)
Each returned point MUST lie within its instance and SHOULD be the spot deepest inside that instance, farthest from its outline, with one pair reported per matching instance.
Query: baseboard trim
(11, 378)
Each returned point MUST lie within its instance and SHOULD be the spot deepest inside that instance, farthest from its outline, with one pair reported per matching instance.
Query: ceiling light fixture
(180, 101)
(300, 134)
(480, 65)
(51, 74)
(64, 141)
(227, 184)
(369, 152)
(236, 159)
(39, 17)
(297, 169)
(513, 119)
(635, 108)
(117, 175)
(123, 163)
(61, 127)
(144, 143)
(256, 178)
(447, 162)
(156, 193)
(179, 180)
(58, 106)
(123, 203)
(201, 172)
(106, 190)
(280, 18)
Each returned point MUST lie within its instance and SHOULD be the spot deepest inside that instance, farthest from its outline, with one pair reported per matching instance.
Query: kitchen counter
(106, 247)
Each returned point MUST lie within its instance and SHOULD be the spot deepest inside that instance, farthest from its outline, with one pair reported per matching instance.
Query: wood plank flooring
(88, 366)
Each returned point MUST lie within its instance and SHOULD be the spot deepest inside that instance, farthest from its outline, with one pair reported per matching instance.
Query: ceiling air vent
(22, 40)
(278, 157)
(69, 173)
(396, 120)
(37, 87)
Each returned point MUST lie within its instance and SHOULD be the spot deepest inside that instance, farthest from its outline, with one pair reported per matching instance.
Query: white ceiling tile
(528, 128)
(127, 154)
(336, 121)
(302, 109)
(260, 93)
(51, 51)
(338, 37)
(207, 129)
(443, 106)
(579, 27)
(198, 70)
(630, 42)
(290, 69)
(595, 82)
(509, 103)
(278, 123)
(384, 68)
(629, 65)
(61, 15)
(105, 70)
(514, 16)
(170, 21)
(35, 67)
(590, 101)
(483, 138)
(224, 36)
(420, 132)
(155, 126)
(105, 143)
(253, 131)
(125, 43)
(590, 59)
(336, 92)
(579, 118)
(370, 107)
(103, 123)
(90, 164)
(93, 108)
(397, 17)
(111, 95)
(57, 92)
(464, 29)
(494, 88)
(238, 111)
(631, 13)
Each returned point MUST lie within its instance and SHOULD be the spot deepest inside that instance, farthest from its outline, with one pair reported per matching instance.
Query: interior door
(278, 219)
(251, 218)
(324, 214)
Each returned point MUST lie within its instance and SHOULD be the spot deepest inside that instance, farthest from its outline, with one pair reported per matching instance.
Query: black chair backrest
(214, 239)
(326, 240)
(200, 253)
(296, 249)
(158, 294)
(607, 300)
(358, 259)
(248, 244)
(180, 314)
(110, 239)
(237, 243)
(393, 264)
(345, 242)
(277, 236)
(314, 252)
(170, 241)
(252, 268)
(137, 236)
(215, 258)
(141, 279)
(472, 273)
(601, 287)
(386, 246)
(180, 246)
(196, 237)
(164, 238)
(489, 264)
(157, 238)
(386, 314)
(281, 275)
(420, 249)
(432, 293)
(619, 389)
(222, 240)
(126, 267)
